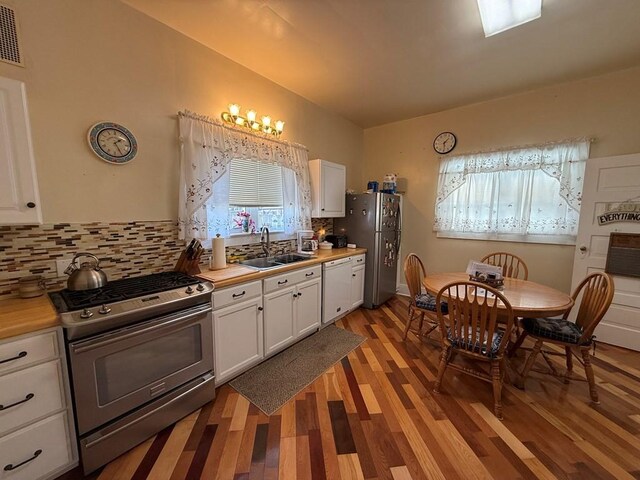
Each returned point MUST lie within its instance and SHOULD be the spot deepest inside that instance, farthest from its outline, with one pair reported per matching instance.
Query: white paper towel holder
(221, 262)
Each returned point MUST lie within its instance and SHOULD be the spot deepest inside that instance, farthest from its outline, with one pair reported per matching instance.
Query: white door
(357, 286)
(238, 338)
(279, 330)
(609, 181)
(333, 184)
(308, 305)
(19, 199)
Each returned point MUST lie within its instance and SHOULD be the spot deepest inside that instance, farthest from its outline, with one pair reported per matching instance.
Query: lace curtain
(206, 148)
(526, 191)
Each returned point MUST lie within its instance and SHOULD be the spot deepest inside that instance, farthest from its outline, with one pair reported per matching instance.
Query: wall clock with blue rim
(112, 142)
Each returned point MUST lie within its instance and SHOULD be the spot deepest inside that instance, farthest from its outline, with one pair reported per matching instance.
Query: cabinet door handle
(20, 355)
(26, 399)
(10, 466)
(260, 309)
(282, 283)
(353, 274)
(295, 296)
(31, 205)
(308, 274)
(238, 295)
(299, 294)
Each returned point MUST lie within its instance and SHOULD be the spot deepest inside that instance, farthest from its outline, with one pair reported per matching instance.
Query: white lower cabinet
(279, 320)
(37, 437)
(291, 307)
(357, 281)
(36, 450)
(238, 330)
(308, 307)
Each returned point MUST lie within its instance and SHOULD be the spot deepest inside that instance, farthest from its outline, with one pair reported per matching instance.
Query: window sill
(507, 237)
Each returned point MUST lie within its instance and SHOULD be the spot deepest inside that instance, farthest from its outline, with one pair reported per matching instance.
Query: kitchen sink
(289, 258)
(266, 263)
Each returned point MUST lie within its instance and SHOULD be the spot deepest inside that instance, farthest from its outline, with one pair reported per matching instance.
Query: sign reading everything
(621, 212)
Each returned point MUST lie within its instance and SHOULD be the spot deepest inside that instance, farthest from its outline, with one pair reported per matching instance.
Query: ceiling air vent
(9, 48)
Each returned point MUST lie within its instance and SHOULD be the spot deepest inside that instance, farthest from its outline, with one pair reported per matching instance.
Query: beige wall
(607, 107)
(91, 60)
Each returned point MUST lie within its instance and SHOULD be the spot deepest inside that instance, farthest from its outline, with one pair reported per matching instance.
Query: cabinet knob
(31, 205)
(260, 309)
(295, 296)
(353, 274)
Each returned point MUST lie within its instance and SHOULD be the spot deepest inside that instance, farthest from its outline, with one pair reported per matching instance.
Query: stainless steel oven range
(141, 357)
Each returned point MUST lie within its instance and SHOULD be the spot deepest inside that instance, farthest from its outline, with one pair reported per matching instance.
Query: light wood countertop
(236, 273)
(26, 315)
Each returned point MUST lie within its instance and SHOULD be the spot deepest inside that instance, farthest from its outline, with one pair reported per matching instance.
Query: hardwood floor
(374, 415)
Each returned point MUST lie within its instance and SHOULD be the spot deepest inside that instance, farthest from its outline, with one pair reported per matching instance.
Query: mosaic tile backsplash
(124, 249)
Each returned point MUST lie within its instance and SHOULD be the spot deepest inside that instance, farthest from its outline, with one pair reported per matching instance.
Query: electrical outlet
(61, 266)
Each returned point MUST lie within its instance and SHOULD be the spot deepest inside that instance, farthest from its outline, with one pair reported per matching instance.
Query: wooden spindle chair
(596, 292)
(471, 329)
(422, 304)
(512, 265)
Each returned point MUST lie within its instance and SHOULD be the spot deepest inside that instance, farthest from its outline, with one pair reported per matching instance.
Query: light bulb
(279, 126)
(251, 115)
(234, 109)
(266, 121)
(240, 121)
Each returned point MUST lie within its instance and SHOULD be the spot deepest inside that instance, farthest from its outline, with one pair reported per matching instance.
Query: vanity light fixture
(251, 122)
(500, 15)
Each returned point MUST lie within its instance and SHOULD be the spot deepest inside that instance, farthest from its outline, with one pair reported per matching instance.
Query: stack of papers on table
(484, 270)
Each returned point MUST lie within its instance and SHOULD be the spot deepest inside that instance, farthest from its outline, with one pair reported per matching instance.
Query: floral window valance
(206, 148)
(534, 190)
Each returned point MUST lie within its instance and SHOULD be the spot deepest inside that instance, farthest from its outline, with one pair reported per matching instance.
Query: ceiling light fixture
(250, 122)
(500, 15)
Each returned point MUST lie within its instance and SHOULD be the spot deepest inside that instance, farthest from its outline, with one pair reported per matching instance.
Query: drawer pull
(20, 355)
(238, 295)
(282, 283)
(359, 260)
(308, 274)
(11, 466)
(26, 399)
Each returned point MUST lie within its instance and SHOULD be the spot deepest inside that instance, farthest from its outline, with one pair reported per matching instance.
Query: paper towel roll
(218, 255)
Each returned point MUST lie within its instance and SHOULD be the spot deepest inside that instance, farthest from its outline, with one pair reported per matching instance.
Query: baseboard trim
(403, 289)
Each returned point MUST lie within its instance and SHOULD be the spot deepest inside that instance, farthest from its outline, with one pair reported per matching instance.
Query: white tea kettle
(86, 275)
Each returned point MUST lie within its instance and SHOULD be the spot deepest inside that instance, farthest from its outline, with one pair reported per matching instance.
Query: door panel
(607, 182)
(279, 328)
(308, 307)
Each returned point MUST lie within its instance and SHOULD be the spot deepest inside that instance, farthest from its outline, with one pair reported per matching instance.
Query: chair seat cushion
(553, 329)
(428, 302)
(465, 343)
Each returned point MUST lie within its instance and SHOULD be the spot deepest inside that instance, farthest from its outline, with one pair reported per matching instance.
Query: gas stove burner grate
(125, 289)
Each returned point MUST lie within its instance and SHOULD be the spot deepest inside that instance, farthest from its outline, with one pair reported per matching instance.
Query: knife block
(188, 266)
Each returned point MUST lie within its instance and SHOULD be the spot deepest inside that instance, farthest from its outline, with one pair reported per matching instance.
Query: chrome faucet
(266, 245)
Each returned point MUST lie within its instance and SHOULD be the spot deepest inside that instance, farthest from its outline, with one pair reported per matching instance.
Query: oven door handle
(170, 321)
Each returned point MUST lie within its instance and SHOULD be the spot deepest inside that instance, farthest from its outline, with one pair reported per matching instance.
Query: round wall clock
(444, 142)
(113, 143)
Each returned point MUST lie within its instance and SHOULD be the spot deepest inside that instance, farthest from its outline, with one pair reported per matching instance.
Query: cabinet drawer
(44, 446)
(288, 279)
(34, 392)
(27, 351)
(237, 294)
(357, 260)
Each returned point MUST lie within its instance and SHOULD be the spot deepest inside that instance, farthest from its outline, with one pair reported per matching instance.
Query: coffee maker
(307, 245)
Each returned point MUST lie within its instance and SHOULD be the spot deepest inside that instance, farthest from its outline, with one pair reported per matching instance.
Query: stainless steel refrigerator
(372, 221)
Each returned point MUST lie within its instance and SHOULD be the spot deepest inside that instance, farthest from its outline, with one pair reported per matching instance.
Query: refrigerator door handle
(397, 242)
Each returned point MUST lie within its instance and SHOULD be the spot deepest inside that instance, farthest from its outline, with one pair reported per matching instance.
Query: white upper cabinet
(19, 198)
(328, 183)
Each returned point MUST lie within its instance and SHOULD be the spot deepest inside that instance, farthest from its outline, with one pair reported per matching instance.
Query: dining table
(527, 298)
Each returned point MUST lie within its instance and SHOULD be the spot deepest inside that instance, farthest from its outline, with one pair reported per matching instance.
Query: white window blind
(255, 184)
